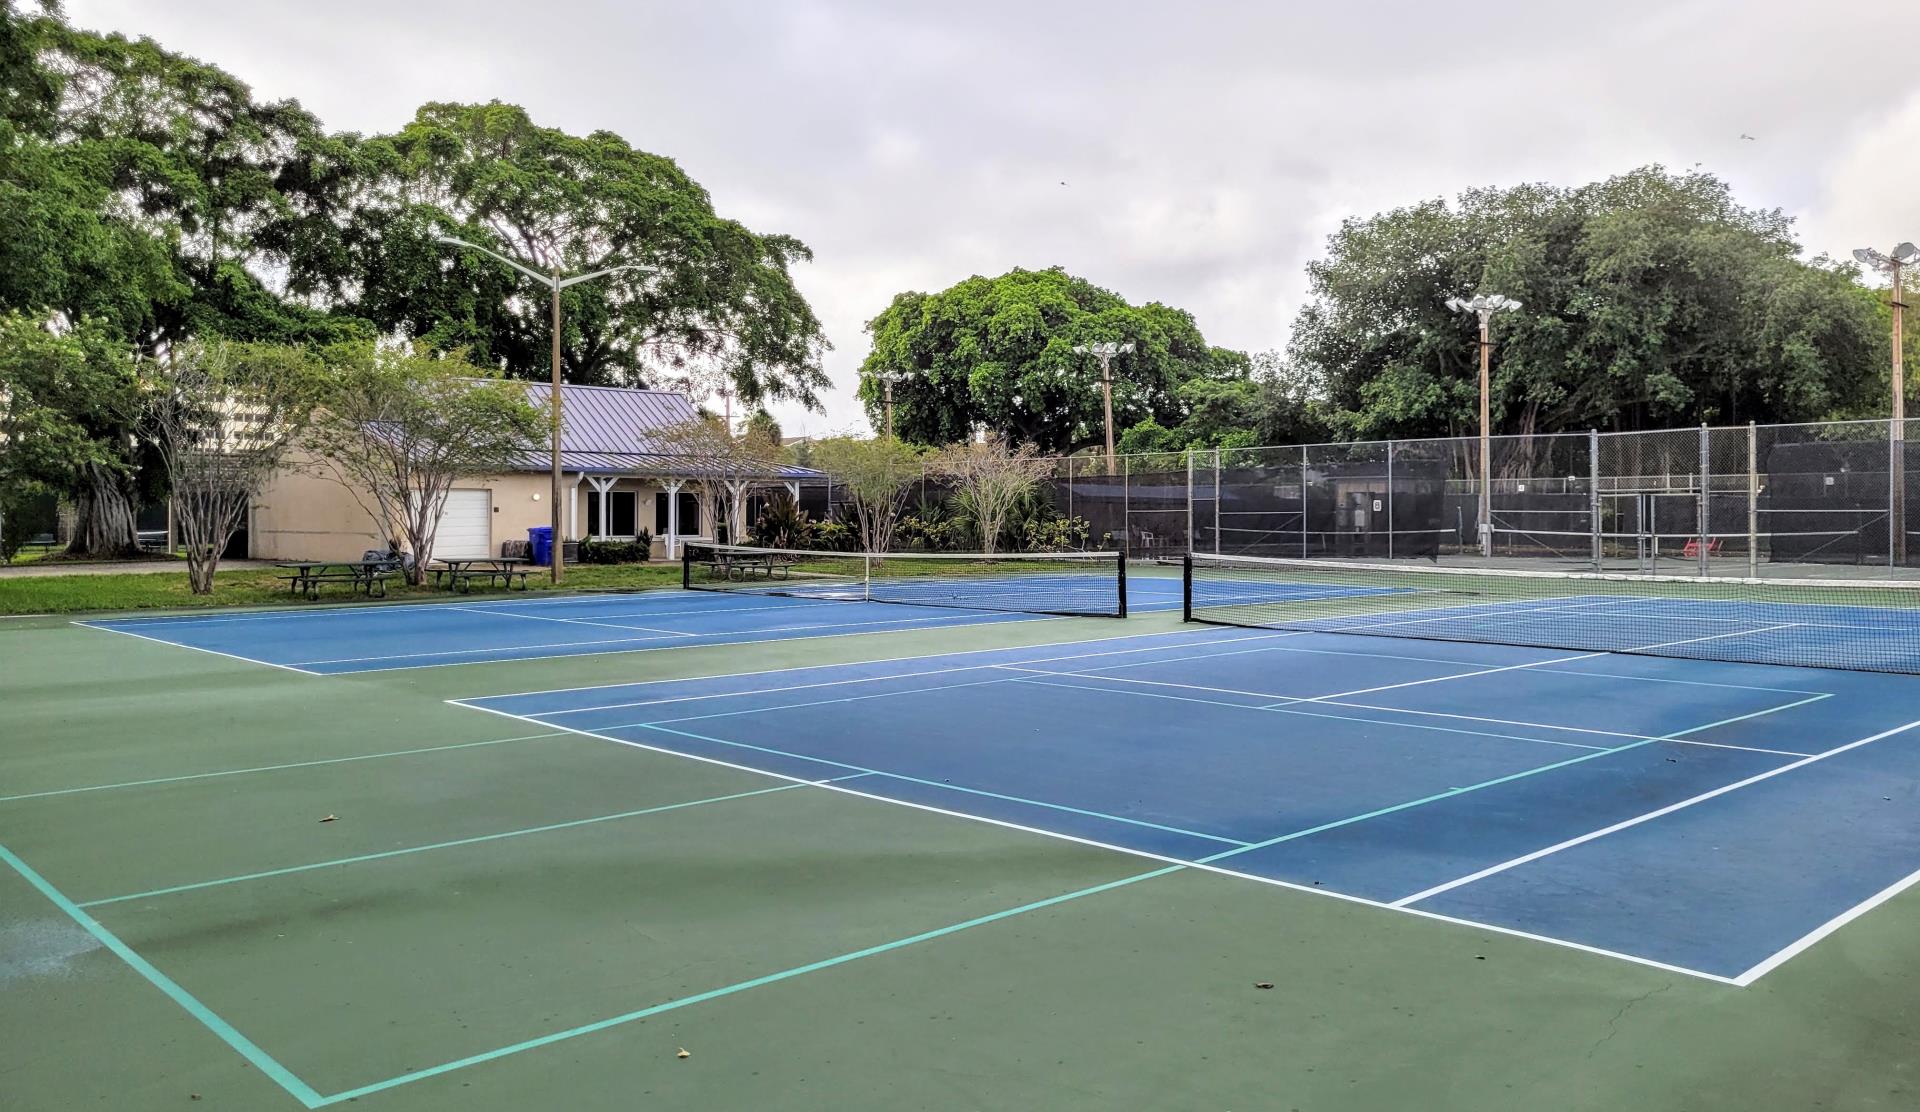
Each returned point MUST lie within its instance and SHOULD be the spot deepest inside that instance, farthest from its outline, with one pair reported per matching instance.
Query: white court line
(1367, 655)
(1648, 817)
(1205, 636)
(1340, 701)
(198, 649)
(967, 618)
(1806, 941)
(1307, 713)
(339, 609)
(856, 679)
(569, 621)
(1220, 870)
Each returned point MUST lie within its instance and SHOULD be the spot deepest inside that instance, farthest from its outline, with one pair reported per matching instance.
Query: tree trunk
(104, 524)
(202, 562)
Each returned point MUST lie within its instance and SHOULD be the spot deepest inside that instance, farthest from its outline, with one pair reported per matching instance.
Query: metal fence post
(1303, 501)
(1216, 501)
(1593, 497)
(1189, 501)
(1701, 512)
(1126, 504)
(1753, 501)
(1389, 499)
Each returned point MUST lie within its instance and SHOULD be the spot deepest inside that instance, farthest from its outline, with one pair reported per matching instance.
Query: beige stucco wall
(304, 514)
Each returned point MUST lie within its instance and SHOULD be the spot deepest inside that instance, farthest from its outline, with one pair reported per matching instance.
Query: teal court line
(865, 771)
(449, 845)
(628, 1017)
(209, 1019)
(278, 767)
(738, 987)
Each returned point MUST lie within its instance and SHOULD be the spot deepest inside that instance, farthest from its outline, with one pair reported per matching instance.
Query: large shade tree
(713, 294)
(1651, 299)
(999, 352)
(145, 193)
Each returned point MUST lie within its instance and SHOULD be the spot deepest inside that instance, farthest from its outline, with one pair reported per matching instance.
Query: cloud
(1208, 148)
(1870, 192)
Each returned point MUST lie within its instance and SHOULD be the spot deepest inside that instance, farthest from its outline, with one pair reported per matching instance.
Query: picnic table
(360, 576)
(743, 565)
(461, 574)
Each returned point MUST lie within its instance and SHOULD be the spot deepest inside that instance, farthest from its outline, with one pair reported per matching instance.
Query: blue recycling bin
(540, 544)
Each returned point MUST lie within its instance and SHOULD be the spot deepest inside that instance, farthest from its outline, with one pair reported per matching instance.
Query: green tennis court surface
(503, 915)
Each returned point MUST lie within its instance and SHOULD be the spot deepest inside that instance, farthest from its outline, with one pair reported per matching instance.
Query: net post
(686, 567)
(1593, 497)
(1186, 588)
(1700, 511)
(866, 576)
(1753, 501)
(1121, 559)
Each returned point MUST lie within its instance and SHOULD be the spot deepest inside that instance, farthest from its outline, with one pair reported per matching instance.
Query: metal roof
(610, 430)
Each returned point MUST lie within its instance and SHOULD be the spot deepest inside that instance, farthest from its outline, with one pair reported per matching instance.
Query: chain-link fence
(1812, 500)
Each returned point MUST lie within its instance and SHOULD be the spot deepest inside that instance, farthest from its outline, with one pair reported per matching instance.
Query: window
(621, 513)
(689, 514)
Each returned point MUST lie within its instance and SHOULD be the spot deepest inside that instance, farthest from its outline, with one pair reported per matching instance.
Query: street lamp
(554, 281)
(1105, 352)
(887, 379)
(1484, 306)
(1903, 256)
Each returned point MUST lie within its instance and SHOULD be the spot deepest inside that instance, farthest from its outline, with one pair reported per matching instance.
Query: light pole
(554, 281)
(1105, 352)
(1484, 306)
(1903, 256)
(886, 380)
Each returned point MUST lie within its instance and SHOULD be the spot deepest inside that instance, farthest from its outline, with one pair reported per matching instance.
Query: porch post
(672, 487)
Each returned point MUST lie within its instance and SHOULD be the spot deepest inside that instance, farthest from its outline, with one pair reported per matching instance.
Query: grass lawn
(66, 594)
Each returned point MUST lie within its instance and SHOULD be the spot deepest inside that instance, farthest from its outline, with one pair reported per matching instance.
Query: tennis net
(1858, 625)
(1073, 584)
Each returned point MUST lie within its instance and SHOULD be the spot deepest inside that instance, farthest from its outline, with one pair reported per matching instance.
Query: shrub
(782, 523)
(635, 551)
(836, 536)
(1061, 534)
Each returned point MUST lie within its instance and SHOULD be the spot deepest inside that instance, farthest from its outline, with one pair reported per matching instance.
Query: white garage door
(466, 527)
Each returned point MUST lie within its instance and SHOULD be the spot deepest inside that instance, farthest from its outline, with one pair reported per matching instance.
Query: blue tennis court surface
(377, 638)
(1708, 818)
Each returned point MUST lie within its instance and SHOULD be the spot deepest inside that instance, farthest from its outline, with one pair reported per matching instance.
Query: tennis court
(988, 858)
(730, 613)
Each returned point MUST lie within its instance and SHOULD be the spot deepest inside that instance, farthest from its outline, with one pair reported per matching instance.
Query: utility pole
(1105, 352)
(1484, 306)
(555, 281)
(1892, 265)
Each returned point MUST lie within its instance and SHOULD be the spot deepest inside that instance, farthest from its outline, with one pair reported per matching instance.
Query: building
(617, 482)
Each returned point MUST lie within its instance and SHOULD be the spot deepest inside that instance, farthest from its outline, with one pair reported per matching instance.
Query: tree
(714, 294)
(67, 410)
(147, 192)
(222, 418)
(1652, 299)
(999, 352)
(989, 479)
(400, 425)
(876, 476)
(726, 464)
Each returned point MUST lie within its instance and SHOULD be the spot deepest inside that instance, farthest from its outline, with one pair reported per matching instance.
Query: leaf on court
(329, 818)
(683, 1053)
(1263, 984)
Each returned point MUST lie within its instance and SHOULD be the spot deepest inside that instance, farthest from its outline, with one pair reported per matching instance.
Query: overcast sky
(1196, 153)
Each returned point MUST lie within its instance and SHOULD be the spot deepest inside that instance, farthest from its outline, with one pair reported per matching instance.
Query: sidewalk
(119, 567)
